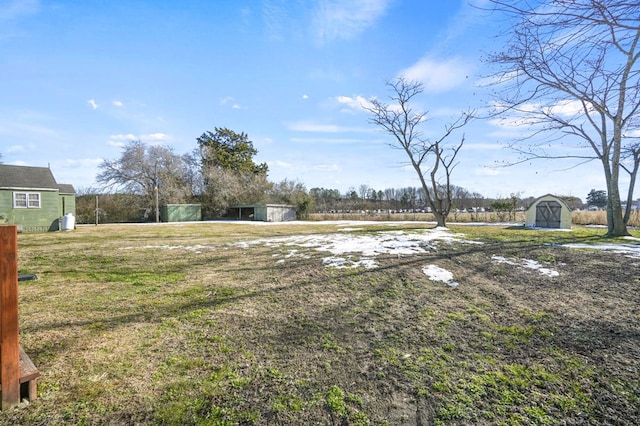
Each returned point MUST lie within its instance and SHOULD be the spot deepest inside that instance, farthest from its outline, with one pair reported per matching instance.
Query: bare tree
(571, 72)
(152, 171)
(363, 191)
(433, 161)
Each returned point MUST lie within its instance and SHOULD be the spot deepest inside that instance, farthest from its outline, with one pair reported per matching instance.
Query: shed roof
(555, 198)
(28, 177)
(262, 205)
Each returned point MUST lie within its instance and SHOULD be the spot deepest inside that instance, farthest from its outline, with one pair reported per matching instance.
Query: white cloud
(524, 116)
(307, 126)
(355, 103)
(77, 163)
(438, 76)
(486, 171)
(230, 100)
(279, 164)
(305, 96)
(93, 104)
(122, 139)
(117, 144)
(155, 137)
(567, 108)
(118, 104)
(346, 19)
(341, 141)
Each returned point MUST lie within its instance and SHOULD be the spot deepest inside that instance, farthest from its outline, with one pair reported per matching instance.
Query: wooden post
(9, 348)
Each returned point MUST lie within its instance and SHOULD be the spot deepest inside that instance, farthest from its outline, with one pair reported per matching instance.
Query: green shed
(31, 198)
(180, 212)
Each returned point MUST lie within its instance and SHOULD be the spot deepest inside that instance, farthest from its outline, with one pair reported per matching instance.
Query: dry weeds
(180, 325)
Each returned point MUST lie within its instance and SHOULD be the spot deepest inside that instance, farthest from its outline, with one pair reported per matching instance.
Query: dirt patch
(265, 333)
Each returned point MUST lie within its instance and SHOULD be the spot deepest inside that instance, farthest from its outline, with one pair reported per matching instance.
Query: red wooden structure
(18, 375)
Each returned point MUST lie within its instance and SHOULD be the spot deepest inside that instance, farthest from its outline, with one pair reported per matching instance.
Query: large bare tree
(152, 171)
(433, 160)
(570, 72)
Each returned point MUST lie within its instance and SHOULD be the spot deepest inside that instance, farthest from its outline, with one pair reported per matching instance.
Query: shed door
(548, 214)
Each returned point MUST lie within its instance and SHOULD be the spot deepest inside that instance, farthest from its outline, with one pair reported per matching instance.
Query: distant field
(315, 323)
(582, 217)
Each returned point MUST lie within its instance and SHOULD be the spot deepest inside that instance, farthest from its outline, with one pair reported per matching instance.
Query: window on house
(26, 200)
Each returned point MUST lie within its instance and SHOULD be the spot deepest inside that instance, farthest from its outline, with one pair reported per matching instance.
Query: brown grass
(190, 325)
(579, 217)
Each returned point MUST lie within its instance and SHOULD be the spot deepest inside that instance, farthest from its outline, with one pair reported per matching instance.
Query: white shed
(549, 211)
(263, 212)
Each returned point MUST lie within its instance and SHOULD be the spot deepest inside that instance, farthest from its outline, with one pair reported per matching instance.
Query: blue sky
(78, 79)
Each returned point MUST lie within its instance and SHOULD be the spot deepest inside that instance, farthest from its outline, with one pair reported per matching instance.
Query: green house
(31, 198)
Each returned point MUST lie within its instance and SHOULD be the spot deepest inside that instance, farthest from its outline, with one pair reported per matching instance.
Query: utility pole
(156, 188)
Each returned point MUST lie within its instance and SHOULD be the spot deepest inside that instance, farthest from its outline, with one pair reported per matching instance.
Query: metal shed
(549, 211)
(263, 212)
(180, 212)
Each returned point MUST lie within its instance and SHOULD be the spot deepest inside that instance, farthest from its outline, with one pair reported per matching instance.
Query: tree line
(217, 174)
(414, 199)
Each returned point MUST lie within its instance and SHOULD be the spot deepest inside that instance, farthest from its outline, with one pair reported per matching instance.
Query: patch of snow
(527, 264)
(343, 263)
(629, 250)
(537, 228)
(400, 243)
(436, 273)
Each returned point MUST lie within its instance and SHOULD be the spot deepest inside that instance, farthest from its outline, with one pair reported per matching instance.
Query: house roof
(34, 178)
(66, 188)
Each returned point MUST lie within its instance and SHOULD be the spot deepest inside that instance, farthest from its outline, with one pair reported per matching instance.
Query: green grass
(134, 325)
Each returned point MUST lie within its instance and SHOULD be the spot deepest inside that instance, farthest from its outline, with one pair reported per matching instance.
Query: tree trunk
(615, 219)
(440, 219)
(632, 183)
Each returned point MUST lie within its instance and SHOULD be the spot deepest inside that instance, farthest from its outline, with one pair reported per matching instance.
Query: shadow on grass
(355, 334)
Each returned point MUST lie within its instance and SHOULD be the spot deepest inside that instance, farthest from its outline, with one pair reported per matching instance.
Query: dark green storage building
(180, 212)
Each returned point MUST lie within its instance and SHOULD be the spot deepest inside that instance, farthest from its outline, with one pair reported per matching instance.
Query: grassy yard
(225, 324)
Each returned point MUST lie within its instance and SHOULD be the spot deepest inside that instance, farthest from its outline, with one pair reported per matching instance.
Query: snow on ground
(350, 250)
(629, 250)
(436, 273)
(527, 264)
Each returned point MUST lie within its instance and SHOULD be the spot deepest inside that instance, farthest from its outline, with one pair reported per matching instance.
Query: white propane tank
(68, 222)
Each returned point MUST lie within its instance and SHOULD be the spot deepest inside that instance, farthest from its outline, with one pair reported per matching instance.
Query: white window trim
(29, 199)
